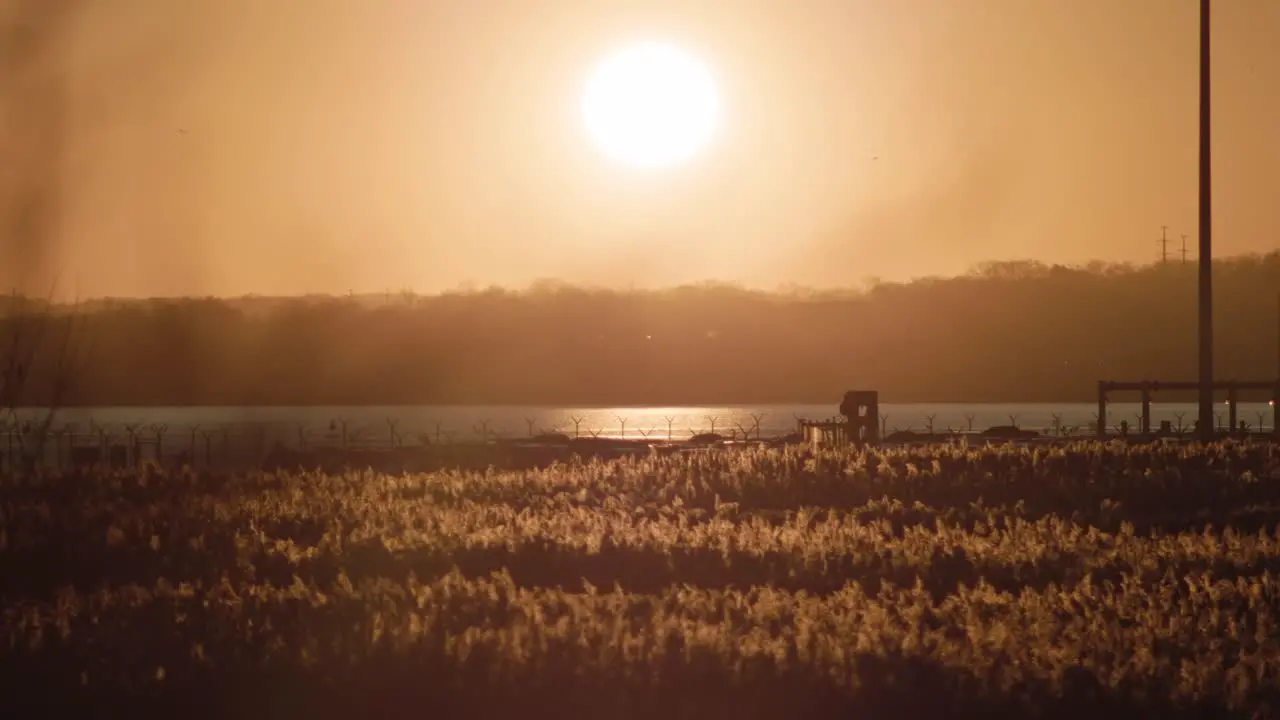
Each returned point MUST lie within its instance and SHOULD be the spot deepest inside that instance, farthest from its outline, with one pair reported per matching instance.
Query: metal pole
(1102, 411)
(1206, 236)
(1275, 391)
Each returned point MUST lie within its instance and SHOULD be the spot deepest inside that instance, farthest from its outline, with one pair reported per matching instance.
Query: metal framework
(1149, 387)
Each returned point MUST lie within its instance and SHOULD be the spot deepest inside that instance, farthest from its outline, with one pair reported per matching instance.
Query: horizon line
(469, 287)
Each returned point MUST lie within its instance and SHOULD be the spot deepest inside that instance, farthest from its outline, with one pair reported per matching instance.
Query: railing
(30, 444)
(26, 443)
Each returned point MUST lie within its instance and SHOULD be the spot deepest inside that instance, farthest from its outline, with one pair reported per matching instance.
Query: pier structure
(859, 424)
(1147, 388)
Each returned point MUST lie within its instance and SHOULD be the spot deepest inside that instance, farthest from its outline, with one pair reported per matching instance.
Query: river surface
(472, 422)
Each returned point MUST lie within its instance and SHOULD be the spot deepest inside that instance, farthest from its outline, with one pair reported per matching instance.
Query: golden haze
(234, 146)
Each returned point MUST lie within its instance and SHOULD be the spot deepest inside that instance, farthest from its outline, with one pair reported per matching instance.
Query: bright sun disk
(651, 106)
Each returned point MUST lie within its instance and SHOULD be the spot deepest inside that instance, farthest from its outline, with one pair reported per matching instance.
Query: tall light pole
(1206, 237)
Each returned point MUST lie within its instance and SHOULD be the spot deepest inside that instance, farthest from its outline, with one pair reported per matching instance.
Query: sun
(651, 105)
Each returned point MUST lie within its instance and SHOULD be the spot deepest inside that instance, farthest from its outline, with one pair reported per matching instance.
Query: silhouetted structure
(819, 433)
(861, 409)
(1149, 387)
(860, 425)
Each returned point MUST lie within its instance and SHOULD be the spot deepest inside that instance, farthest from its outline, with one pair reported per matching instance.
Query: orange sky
(372, 144)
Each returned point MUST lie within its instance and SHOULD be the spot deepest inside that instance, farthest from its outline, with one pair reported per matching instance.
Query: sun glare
(651, 106)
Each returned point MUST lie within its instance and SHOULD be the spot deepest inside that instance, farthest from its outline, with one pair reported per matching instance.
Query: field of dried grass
(1119, 581)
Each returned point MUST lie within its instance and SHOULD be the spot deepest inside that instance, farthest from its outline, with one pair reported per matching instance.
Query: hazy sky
(285, 146)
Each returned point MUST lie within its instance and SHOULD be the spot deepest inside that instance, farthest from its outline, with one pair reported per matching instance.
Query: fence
(28, 444)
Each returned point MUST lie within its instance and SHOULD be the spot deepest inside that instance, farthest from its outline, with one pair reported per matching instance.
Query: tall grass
(762, 583)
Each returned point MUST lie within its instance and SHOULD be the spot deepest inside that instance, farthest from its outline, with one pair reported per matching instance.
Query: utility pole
(1184, 249)
(1164, 245)
(1206, 236)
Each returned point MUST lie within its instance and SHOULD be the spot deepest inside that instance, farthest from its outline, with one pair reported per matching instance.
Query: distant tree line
(1016, 332)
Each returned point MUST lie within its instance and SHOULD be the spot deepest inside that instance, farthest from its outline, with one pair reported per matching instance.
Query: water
(462, 423)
